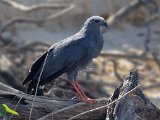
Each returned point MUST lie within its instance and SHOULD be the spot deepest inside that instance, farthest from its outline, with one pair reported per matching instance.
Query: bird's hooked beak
(105, 24)
(104, 28)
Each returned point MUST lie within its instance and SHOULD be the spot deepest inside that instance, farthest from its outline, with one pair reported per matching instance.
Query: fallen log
(47, 109)
(127, 103)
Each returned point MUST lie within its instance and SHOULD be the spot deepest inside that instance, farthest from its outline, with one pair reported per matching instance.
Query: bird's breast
(96, 45)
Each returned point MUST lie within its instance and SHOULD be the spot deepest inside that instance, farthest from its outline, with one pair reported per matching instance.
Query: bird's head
(96, 21)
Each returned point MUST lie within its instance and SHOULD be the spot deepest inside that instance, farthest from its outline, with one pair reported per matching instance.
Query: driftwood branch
(32, 8)
(62, 109)
(34, 21)
(148, 39)
(140, 57)
(115, 68)
(127, 102)
(8, 88)
(126, 10)
(134, 106)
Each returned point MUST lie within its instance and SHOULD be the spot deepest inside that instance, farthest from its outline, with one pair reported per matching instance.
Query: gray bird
(69, 56)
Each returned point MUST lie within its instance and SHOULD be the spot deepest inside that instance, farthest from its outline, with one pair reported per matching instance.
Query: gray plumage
(69, 55)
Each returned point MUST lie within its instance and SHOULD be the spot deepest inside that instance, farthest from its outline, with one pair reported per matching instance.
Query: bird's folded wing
(61, 56)
(63, 59)
(34, 68)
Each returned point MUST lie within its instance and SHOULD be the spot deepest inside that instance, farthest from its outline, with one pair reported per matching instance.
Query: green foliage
(4, 109)
(3, 112)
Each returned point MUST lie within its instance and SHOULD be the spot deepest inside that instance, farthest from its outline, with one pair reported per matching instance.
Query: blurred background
(132, 41)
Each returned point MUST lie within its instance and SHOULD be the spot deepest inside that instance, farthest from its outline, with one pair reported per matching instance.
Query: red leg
(88, 99)
(82, 98)
(77, 90)
(79, 87)
(81, 93)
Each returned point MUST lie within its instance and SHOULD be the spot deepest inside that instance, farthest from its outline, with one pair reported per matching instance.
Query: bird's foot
(83, 99)
(88, 100)
(81, 94)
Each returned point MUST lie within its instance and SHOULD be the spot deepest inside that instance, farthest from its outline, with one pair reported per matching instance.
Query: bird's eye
(96, 21)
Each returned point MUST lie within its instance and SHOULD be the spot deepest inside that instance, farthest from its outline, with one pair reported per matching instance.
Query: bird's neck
(95, 37)
(89, 29)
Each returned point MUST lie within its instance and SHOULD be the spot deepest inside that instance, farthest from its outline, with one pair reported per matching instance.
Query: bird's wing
(34, 68)
(60, 56)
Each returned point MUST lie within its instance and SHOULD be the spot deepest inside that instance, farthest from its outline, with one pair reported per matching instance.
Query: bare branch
(33, 21)
(98, 101)
(153, 86)
(60, 108)
(105, 54)
(8, 88)
(33, 7)
(126, 10)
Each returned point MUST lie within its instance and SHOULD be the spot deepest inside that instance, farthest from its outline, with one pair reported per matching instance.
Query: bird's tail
(27, 79)
(32, 88)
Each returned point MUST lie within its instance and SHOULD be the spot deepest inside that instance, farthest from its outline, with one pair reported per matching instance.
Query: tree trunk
(134, 106)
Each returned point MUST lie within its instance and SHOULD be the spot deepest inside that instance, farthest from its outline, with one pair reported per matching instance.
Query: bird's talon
(89, 100)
